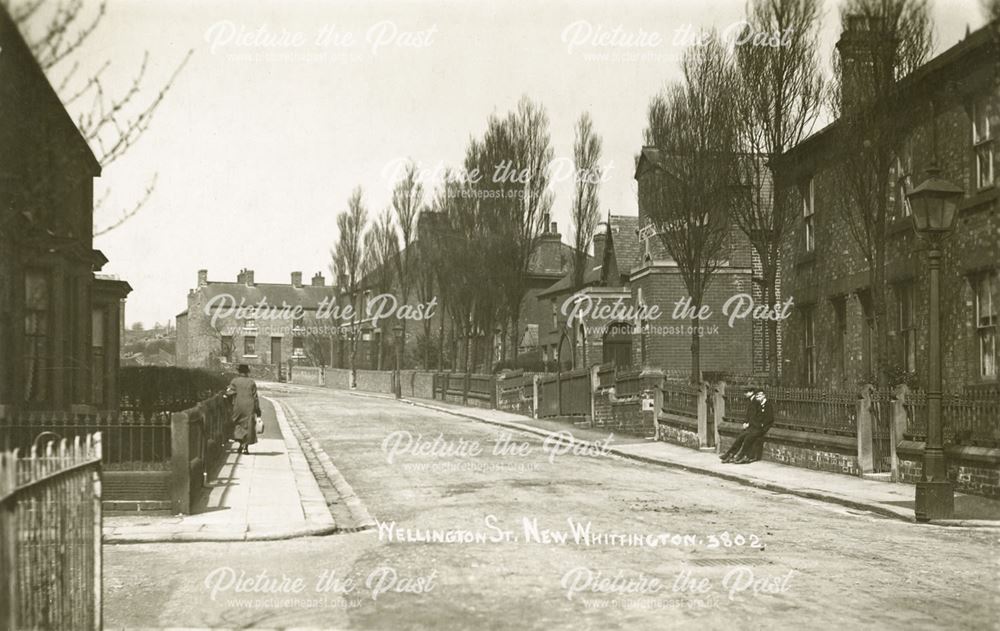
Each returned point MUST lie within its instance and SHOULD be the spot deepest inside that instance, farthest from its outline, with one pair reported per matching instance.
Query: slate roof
(277, 294)
(628, 254)
(14, 93)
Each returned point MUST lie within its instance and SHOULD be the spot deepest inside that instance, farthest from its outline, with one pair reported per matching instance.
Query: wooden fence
(131, 440)
(465, 386)
(565, 394)
(199, 436)
(50, 519)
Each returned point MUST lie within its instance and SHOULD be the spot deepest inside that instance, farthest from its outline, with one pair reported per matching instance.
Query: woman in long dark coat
(246, 408)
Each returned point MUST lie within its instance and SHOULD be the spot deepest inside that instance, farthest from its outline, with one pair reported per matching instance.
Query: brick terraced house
(263, 342)
(830, 333)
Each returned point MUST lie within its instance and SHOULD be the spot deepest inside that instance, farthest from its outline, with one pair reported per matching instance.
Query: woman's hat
(243, 369)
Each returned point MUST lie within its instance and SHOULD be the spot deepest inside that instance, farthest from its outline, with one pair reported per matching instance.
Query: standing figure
(246, 408)
(749, 444)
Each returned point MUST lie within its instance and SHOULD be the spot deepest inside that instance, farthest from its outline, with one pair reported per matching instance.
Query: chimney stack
(297, 280)
(600, 241)
(555, 228)
(545, 222)
(866, 49)
(248, 277)
(318, 280)
(202, 277)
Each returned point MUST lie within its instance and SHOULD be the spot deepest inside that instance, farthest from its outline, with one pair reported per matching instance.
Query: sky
(285, 107)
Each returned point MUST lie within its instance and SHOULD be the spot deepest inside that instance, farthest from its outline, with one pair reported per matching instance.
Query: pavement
(269, 494)
(883, 498)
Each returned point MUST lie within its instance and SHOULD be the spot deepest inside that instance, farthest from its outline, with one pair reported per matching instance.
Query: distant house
(616, 247)
(59, 319)
(212, 330)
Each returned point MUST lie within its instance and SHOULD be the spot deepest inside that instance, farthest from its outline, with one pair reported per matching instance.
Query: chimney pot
(318, 280)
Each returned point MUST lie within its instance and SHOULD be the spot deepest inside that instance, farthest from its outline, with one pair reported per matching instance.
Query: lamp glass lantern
(934, 205)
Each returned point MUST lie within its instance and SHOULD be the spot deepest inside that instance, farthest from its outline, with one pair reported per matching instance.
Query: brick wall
(338, 378)
(621, 416)
(678, 434)
(307, 375)
(802, 449)
(374, 381)
(972, 470)
(668, 341)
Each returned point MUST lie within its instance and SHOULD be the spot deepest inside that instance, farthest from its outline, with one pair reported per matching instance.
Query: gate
(881, 415)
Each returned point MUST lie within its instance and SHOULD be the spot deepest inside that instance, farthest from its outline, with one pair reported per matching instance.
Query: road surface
(482, 529)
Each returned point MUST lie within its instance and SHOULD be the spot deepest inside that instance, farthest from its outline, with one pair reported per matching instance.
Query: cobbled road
(479, 528)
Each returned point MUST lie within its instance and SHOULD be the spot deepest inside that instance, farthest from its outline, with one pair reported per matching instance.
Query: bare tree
(777, 97)
(348, 258)
(381, 254)
(586, 194)
(112, 122)
(991, 9)
(890, 39)
(586, 199)
(692, 126)
(530, 202)
(407, 203)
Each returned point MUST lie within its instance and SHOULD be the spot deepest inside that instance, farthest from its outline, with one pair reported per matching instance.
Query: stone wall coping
(968, 453)
(847, 444)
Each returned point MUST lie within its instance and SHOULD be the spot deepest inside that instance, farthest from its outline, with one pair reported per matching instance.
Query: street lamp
(934, 205)
(397, 332)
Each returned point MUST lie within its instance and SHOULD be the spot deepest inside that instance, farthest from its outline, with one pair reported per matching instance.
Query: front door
(276, 354)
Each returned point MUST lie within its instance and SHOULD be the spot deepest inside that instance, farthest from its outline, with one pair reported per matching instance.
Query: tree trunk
(695, 350)
(771, 290)
(879, 317)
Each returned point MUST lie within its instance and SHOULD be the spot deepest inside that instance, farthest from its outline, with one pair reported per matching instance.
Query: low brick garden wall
(808, 450)
(624, 416)
(307, 375)
(374, 381)
(678, 430)
(973, 470)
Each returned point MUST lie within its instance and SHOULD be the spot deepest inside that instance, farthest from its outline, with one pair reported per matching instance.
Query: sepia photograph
(499, 315)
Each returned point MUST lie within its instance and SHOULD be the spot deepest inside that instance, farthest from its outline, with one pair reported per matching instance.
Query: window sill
(251, 356)
(979, 200)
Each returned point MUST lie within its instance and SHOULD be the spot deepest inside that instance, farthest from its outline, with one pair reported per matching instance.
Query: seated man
(749, 445)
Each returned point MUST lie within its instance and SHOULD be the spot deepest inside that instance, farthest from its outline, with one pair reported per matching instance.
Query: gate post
(866, 461)
(534, 396)
(595, 384)
(897, 426)
(718, 412)
(180, 475)
(704, 440)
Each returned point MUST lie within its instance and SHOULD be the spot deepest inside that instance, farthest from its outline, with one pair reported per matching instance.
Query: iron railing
(130, 439)
(50, 519)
